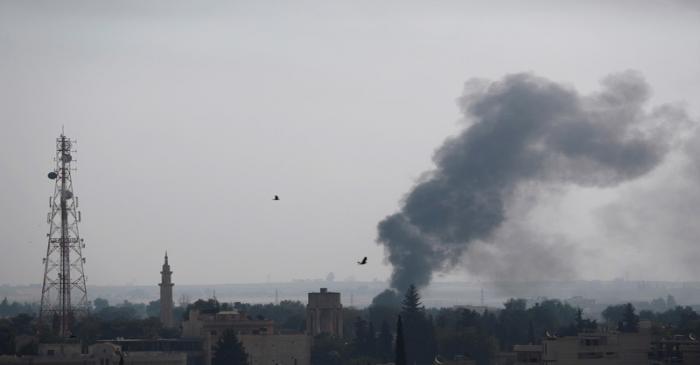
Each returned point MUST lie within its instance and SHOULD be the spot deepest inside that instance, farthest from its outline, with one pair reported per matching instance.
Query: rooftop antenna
(64, 289)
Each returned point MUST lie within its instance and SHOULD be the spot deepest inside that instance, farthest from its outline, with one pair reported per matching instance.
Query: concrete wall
(101, 354)
(278, 349)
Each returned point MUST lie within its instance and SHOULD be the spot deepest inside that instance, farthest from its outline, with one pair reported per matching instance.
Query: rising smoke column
(524, 129)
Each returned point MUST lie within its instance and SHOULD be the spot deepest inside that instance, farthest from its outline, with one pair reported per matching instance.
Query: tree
(630, 320)
(327, 350)
(210, 306)
(364, 342)
(384, 342)
(579, 319)
(400, 354)
(419, 333)
(371, 340)
(613, 313)
(513, 322)
(7, 338)
(360, 336)
(584, 324)
(411, 307)
(387, 298)
(4, 307)
(153, 308)
(229, 350)
(671, 302)
(100, 304)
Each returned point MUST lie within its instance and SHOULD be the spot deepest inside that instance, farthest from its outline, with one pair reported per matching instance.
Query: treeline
(447, 332)
(288, 315)
(104, 321)
(462, 332)
(13, 328)
(102, 309)
(8, 309)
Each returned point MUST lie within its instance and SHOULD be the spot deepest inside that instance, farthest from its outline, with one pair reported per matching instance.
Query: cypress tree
(419, 333)
(384, 342)
(360, 342)
(229, 350)
(630, 319)
(371, 340)
(400, 354)
(411, 307)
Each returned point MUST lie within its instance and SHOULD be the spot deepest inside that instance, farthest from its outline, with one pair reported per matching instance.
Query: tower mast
(64, 290)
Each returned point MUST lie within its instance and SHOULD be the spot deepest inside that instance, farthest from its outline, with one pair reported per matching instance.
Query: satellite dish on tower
(67, 158)
(67, 194)
(53, 175)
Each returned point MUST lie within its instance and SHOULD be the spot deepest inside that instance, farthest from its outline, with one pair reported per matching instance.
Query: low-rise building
(527, 354)
(675, 350)
(261, 343)
(192, 348)
(294, 349)
(601, 347)
(98, 354)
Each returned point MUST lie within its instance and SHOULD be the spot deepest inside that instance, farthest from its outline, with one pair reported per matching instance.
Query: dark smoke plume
(524, 129)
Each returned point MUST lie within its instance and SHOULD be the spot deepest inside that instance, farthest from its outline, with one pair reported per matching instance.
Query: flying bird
(276, 198)
(364, 261)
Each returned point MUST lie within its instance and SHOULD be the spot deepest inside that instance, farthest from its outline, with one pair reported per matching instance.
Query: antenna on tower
(64, 289)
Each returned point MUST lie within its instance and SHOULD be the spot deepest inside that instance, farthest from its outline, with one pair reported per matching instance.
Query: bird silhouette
(364, 261)
(276, 198)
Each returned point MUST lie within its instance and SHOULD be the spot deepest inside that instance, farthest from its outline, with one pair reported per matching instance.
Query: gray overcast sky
(189, 116)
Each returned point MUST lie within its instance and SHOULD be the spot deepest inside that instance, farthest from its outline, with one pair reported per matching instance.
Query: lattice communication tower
(64, 292)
